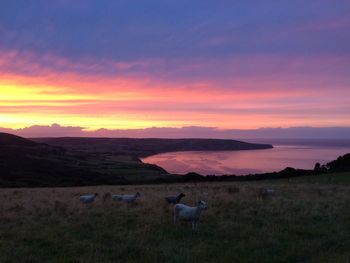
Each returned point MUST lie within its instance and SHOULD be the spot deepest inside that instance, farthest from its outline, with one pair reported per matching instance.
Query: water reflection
(246, 162)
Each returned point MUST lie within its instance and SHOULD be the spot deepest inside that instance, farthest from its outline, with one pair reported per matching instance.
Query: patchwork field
(305, 221)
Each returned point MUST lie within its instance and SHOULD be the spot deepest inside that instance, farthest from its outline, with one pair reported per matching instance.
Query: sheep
(174, 199)
(87, 199)
(126, 198)
(189, 213)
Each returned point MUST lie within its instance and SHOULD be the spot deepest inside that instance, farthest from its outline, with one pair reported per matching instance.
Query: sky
(138, 65)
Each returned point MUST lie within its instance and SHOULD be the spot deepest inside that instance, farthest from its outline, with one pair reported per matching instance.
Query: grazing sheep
(87, 199)
(189, 213)
(126, 198)
(174, 199)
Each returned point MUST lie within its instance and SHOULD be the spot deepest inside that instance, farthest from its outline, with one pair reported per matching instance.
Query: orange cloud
(94, 101)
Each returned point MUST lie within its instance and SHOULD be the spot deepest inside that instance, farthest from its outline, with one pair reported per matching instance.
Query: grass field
(308, 220)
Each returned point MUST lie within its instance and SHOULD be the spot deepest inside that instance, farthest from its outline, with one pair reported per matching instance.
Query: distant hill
(341, 164)
(25, 163)
(147, 147)
(8, 140)
(14, 145)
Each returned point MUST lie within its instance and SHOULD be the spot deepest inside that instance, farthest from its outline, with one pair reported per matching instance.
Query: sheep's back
(86, 199)
(185, 212)
(171, 199)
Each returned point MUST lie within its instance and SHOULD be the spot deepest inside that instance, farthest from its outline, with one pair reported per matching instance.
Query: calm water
(245, 162)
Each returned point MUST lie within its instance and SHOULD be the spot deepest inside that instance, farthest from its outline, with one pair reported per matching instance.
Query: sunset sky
(139, 64)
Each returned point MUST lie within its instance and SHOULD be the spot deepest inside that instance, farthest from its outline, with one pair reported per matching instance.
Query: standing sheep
(174, 199)
(189, 213)
(88, 199)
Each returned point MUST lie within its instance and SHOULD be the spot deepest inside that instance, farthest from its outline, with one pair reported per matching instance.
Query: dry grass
(300, 223)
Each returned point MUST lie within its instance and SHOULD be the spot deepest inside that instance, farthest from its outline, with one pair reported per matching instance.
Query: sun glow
(129, 103)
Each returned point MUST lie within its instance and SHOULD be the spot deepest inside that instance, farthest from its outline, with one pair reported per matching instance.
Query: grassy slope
(307, 221)
(323, 179)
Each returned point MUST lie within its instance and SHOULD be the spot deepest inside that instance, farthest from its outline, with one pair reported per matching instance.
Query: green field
(308, 220)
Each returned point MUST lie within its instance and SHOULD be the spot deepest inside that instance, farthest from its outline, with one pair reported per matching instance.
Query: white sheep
(189, 213)
(87, 199)
(126, 198)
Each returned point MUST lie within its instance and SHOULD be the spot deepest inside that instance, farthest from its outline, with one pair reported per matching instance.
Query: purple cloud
(55, 130)
(160, 37)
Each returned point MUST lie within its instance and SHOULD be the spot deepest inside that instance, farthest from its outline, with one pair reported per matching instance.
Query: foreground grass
(324, 179)
(303, 222)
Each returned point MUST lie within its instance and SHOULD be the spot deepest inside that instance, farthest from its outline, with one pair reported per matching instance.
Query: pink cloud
(56, 130)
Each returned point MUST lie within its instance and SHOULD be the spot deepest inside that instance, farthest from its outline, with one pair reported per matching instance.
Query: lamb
(189, 213)
(88, 199)
(174, 199)
(126, 198)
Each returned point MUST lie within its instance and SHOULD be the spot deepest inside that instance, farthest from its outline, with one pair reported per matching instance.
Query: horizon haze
(56, 130)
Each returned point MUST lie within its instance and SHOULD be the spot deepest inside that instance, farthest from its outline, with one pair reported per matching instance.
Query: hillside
(24, 163)
(10, 140)
(147, 147)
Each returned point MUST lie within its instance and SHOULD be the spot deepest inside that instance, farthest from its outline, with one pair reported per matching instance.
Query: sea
(296, 153)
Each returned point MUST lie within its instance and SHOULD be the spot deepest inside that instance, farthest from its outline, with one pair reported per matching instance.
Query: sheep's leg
(194, 227)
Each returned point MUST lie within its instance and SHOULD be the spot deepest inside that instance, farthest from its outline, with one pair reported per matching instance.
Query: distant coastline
(61, 162)
(150, 146)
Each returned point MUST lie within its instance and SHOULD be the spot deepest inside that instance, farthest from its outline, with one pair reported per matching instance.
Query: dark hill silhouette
(24, 163)
(7, 140)
(147, 147)
(341, 164)
(14, 145)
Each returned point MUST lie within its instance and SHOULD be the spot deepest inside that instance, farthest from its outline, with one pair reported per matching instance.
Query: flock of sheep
(181, 211)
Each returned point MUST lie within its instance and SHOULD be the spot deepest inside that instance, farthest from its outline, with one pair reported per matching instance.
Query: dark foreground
(307, 220)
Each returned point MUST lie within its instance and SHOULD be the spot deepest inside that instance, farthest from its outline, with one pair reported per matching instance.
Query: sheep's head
(182, 195)
(202, 205)
(96, 194)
